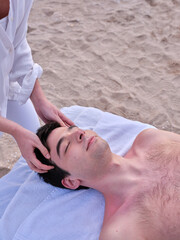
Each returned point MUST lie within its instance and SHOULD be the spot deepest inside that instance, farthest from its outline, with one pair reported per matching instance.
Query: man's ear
(70, 183)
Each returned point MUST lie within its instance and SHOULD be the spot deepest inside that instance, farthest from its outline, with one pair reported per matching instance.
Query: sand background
(119, 56)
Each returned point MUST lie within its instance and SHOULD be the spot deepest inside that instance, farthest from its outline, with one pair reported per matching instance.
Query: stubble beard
(102, 155)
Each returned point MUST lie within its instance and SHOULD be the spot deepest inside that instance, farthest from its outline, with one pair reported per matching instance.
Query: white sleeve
(24, 70)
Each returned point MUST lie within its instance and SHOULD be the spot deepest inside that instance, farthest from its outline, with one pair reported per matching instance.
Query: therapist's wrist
(37, 96)
(16, 130)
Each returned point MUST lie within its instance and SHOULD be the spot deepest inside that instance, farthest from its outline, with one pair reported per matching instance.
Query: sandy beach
(121, 56)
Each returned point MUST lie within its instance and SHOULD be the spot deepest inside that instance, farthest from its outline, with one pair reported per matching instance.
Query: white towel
(33, 210)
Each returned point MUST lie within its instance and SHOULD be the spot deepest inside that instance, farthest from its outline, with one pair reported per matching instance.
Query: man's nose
(79, 135)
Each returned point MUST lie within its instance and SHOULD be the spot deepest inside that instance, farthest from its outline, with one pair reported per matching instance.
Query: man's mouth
(90, 142)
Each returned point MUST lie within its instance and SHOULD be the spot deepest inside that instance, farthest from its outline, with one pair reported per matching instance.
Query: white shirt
(18, 72)
(3, 22)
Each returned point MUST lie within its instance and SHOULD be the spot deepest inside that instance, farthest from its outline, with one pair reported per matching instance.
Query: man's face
(81, 153)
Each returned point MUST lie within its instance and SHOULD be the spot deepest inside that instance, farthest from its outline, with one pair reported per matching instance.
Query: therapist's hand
(48, 112)
(27, 141)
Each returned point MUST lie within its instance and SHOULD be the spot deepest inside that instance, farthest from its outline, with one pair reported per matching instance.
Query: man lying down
(141, 189)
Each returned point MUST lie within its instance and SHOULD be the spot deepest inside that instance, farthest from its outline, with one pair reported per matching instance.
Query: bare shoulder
(149, 137)
(154, 132)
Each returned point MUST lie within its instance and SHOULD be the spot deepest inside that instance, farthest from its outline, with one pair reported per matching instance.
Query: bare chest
(160, 186)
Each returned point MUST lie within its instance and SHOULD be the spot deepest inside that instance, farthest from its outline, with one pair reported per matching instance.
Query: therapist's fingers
(34, 168)
(34, 163)
(37, 166)
(27, 142)
(43, 150)
(67, 122)
(60, 121)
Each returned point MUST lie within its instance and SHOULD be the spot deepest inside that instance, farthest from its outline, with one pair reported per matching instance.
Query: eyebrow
(62, 139)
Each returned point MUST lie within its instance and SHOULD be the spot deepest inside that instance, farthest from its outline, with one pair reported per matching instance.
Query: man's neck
(4, 9)
(122, 182)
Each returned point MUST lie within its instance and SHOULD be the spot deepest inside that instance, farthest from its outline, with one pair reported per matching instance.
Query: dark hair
(55, 175)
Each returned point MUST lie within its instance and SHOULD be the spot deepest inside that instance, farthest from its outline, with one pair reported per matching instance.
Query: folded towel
(33, 210)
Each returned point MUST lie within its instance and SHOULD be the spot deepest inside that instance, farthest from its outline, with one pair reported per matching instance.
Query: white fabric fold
(22, 93)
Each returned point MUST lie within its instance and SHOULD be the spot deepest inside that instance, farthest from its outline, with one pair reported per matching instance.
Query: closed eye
(67, 147)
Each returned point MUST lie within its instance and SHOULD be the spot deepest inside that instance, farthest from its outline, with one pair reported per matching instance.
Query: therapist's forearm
(8, 126)
(37, 95)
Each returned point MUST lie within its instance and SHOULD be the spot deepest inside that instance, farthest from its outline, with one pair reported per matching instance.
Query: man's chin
(101, 150)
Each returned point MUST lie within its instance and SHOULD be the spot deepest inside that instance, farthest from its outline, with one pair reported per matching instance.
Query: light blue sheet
(33, 210)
